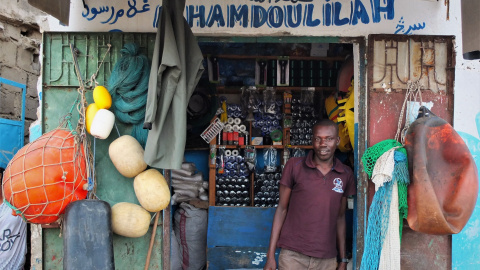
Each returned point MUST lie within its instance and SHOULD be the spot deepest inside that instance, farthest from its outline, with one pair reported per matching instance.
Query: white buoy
(102, 124)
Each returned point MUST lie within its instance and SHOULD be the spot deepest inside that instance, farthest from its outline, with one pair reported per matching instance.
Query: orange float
(45, 176)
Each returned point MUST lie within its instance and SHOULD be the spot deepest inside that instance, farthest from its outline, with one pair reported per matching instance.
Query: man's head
(325, 140)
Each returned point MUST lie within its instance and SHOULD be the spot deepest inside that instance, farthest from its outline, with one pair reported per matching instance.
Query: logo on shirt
(338, 185)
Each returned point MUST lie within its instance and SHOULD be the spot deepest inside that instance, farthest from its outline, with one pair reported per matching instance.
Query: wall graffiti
(90, 13)
(401, 29)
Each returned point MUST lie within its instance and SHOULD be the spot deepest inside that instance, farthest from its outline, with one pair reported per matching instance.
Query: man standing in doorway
(309, 223)
(13, 236)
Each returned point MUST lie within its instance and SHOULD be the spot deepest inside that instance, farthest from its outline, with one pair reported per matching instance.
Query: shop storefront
(296, 56)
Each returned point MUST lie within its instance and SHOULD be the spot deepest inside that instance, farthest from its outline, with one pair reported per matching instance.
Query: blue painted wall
(11, 131)
(466, 244)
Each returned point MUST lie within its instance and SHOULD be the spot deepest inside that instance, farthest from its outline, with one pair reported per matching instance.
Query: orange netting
(45, 176)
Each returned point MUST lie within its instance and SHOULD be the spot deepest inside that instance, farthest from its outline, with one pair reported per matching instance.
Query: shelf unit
(234, 90)
(255, 57)
(212, 168)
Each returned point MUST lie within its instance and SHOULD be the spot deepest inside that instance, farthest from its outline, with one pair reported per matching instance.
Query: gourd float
(127, 156)
(45, 176)
(152, 190)
(130, 220)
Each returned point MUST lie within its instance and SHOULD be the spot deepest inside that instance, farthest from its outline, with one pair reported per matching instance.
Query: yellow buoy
(92, 109)
(102, 97)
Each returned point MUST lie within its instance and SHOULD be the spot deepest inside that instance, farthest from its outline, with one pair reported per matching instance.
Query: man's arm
(341, 233)
(278, 220)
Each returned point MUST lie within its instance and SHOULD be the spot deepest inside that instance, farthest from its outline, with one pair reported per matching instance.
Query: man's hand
(341, 266)
(271, 264)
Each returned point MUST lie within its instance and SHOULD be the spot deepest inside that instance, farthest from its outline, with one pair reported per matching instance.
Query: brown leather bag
(443, 186)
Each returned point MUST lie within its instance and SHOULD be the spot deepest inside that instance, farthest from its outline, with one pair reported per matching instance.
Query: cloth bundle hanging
(177, 65)
(386, 162)
(444, 176)
(128, 85)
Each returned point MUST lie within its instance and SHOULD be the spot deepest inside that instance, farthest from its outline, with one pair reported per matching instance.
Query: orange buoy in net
(45, 176)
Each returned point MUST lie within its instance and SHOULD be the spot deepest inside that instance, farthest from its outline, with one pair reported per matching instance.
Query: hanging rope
(81, 103)
(386, 162)
(413, 93)
(93, 78)
(128, 85)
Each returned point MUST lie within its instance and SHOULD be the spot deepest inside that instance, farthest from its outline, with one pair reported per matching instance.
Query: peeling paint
(259, 258)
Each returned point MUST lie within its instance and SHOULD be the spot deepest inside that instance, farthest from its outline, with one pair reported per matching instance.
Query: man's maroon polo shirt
(310, 224)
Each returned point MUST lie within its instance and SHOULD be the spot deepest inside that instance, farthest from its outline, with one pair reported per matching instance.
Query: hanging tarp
(176, 69)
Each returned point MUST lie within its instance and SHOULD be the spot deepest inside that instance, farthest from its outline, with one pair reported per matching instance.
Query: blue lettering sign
(327, 14)
(239, 14)
(259, 16)
(377, 9)
(271, 13)
(360, 12)
(216, 15)
(310, 22)
(275, 16)
(292, 13)
(336, 16)
(196, 12)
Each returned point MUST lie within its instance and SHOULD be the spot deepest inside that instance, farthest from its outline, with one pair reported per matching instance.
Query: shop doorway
(235, 63)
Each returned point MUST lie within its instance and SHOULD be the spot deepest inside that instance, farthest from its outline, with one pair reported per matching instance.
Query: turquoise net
(378, 218)
(128, 85)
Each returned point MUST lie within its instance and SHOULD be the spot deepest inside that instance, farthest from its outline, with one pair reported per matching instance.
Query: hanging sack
(443, 186)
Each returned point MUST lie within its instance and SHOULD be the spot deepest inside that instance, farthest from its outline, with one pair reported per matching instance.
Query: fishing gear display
(232, 182)
(266, 193)
(304, 118)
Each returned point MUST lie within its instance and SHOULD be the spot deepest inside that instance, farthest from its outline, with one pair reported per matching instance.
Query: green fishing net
(369, 160)
(373, 153)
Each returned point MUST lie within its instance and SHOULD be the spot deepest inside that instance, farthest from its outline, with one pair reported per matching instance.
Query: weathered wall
(20, 40)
